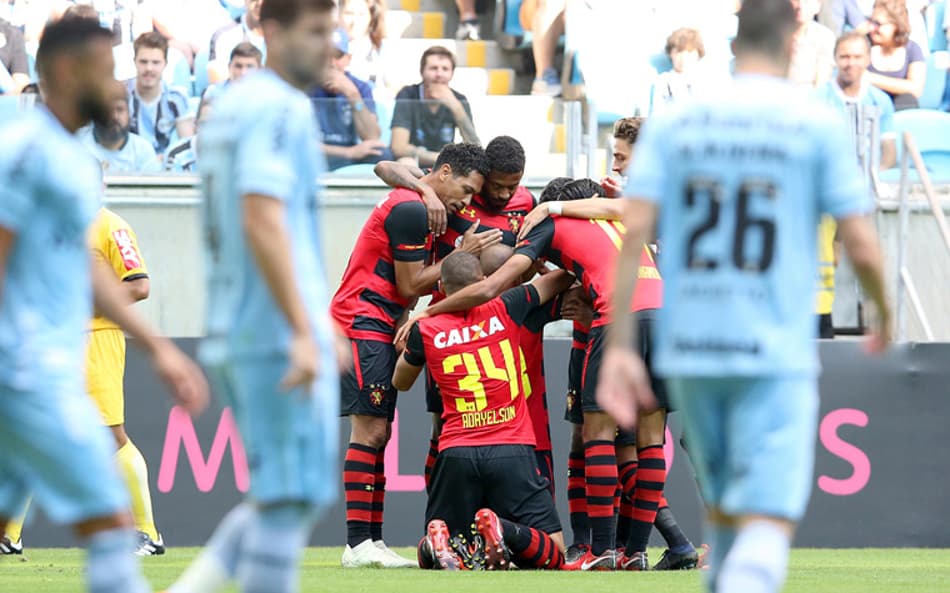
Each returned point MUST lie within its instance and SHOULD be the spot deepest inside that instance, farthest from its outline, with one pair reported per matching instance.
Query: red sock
(600, 474)
(430, 460)
(577, 497)
(379, 497)
(626, 473)
(651, 477)
(359, 479)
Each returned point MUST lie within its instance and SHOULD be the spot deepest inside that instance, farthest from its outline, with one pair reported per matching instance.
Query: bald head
(459, 269)
(494, 257)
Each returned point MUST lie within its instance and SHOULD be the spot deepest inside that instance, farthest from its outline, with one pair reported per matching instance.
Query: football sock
(379, 498)
(650, 479)
(135, 472)
(600, 475)
(216, 565)
(14, 529)
(111, 563)
(532, 548)
(430, 460)
(272, 548)
(666, 524)
(627, 476)
(721, 539)
(359, 479)
(577, 497)
(757, 562)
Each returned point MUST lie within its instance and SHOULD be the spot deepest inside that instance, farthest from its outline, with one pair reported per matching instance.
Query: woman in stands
(365, 22)
(897, 63)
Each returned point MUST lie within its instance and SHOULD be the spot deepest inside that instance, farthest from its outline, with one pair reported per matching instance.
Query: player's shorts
(594, 354)
(105, 371)
(545, 459)
(433, 395)
(503, 478)
(573, 412)
(291, 438)
(751, 440)
(367, 388)
(55, 447)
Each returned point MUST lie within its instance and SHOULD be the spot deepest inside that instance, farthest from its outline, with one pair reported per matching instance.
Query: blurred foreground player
(54, 444)
(486, 449)
(271, 347)
(741, 181)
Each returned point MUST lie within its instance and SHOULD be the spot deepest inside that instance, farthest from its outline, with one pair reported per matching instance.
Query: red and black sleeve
(414, 353)
(407, 227)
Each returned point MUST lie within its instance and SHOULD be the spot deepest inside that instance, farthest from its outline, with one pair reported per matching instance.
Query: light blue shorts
(54, 446)
(751, 440)
(291, 438)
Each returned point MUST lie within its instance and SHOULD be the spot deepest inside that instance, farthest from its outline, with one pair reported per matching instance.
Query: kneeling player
(486, 451)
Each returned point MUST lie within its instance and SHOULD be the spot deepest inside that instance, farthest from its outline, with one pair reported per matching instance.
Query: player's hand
(442, 93)
(402, 334)
(187, 383)
(304, 363)
(366, 148)
(623, 387)
(612, 187)
(344, 353)
(438, 217)
(576, 307)
(879, 339)
(533, 219)
(474, 243)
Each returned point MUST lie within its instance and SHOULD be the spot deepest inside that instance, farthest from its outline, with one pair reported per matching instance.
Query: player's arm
(410, 364)
(861, 244)
(595, 207)
(485, 290)
(410, 177)
(127, 261)
(552, 284)
(639, 219)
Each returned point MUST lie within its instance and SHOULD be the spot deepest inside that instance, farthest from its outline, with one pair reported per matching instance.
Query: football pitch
(812, 571)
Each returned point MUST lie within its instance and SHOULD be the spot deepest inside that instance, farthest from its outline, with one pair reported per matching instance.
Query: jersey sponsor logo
(465, 335)
(648, 272)
(488, 417)
(130, 255)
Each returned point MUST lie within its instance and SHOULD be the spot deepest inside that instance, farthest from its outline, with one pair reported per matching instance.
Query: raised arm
(595, 207)
(410, 177)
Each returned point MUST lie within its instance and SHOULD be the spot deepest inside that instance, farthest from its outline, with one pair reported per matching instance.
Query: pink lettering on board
(181, 432)
(828, 434)
(396, 482)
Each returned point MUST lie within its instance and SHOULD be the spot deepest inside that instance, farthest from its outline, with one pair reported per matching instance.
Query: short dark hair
(151, 40)
(505, 155)
(852, 36)
(765, 26)
(628, 128)
(581, 189)
(81, 11)
(436, 50)
(463, 158)
(459, 269)
(67, 36)
(495, 256)
(286, 12)
(246, 49)
(552, 191)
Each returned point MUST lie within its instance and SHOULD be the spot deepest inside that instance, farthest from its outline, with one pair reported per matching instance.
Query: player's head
(151, 57)
(626, 131)
(552, 190)
(459, 173)
(581, 189)
(852, 57)
(494, 256)
(298, 34)
(116, 128)
(460, 269)
(245, 57)
(766, 30)
(74, 63)
(506, 162)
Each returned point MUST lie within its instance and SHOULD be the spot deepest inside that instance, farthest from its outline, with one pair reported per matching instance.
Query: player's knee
(577, 438)
(598, 426)
(651, 428)
(370, 431)
(88, 527)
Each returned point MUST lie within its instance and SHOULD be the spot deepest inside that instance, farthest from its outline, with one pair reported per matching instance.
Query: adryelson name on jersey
(470, 333)
(488, 417)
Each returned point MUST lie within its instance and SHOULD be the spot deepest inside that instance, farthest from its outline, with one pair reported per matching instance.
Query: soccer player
(53, 444)
(742, 179)
(486, 449)
(385, 273)
(271, 346)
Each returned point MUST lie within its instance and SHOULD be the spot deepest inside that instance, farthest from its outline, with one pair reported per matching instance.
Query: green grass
(812, 571)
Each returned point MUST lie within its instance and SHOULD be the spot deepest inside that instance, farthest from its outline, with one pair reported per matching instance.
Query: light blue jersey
(741, 179)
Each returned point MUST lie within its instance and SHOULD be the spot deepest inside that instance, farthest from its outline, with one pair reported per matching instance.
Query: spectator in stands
(182, 157)
(547, 28)
(427, 114)
(14, 66)
(468, 29)
(855, 98)
(245, 57)
(846, 15)
(685, 49)
(347, 113)
(365, 23)
(188, 24)
(246, 29)
(897, 63)
(813, 59)
(115, 147)
(158, 111)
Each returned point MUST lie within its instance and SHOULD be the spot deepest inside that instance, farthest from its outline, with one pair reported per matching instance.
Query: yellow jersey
(825, 297)
(113, 241)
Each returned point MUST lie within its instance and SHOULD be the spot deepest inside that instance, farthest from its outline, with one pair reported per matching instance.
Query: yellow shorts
(105, 371)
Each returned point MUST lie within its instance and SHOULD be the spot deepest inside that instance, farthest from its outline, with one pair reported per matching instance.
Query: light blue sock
(111, 563)
(271, 549)
(758, 561)
(217, 563)
(721, 539)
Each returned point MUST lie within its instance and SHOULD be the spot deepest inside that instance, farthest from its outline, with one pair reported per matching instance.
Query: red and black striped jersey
(368, 304)
(588, 249)
(532, 345)
(475, 358)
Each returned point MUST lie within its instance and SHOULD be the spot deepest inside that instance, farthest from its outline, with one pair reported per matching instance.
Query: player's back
(49, 194)
(741, 179)
(261, 140)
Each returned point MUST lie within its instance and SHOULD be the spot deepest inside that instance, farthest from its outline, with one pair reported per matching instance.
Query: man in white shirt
(116, 148)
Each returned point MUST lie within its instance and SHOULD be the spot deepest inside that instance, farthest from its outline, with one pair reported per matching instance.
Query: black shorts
(545, 461)
(595, 352)
(367, 388)
(573, 412)
(433, 395)
(503, 478)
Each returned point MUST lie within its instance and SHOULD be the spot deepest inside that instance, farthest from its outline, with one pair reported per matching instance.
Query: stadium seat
(182, 77)
(936, 80)
(933, 16)
(508, 30)
(930, 130)
(201, 73)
